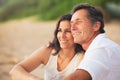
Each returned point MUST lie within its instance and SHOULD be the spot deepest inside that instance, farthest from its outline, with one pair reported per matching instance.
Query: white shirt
(102, 59)
(51, 72)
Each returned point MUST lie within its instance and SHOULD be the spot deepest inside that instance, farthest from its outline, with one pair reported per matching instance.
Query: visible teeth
(63, 41)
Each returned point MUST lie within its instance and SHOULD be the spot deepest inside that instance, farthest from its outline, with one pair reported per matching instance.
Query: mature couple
(89, 56)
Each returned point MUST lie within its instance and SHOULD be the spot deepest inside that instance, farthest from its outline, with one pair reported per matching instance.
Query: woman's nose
(63, 34)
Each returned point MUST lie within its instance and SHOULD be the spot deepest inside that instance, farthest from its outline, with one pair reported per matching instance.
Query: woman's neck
(66, 53)
(64, 58)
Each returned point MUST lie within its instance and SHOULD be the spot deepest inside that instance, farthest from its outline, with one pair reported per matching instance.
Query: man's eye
(78, 22)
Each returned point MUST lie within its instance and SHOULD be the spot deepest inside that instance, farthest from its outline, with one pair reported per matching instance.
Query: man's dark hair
(94, 14)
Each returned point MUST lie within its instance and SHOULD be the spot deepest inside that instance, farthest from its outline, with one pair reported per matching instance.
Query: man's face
(82, 29)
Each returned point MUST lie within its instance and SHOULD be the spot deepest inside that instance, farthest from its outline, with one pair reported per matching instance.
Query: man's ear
(97, 26)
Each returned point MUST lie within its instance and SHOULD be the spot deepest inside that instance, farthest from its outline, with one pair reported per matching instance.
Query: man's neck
(87, 44)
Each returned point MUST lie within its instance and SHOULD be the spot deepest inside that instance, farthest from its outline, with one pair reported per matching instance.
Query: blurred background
(51, 9)
(26, 25)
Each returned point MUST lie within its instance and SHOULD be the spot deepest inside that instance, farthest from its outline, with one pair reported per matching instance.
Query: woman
(60, 57)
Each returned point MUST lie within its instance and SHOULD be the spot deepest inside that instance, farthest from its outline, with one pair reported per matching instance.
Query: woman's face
(64, 35)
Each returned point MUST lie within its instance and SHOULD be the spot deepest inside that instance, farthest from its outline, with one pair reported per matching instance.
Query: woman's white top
(51, 72)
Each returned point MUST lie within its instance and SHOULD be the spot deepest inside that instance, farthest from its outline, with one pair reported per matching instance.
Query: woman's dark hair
(55, 43)
(94, 14)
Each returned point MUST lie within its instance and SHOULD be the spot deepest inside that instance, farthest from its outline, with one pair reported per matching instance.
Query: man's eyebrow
(75, 20)
(78, 19)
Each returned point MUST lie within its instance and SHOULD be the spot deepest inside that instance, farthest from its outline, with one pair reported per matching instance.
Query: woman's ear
(97, 26)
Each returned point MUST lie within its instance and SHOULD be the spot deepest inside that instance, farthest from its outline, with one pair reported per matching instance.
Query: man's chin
(76, 41)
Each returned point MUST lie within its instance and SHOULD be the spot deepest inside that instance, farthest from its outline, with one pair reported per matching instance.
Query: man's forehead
(75, 19)
(75, 16)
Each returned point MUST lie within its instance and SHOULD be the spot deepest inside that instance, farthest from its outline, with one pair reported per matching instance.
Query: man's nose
(73, 27)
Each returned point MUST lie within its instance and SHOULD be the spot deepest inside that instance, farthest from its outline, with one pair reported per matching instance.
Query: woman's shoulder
(44, 49)
(43, 53)
(80, 53)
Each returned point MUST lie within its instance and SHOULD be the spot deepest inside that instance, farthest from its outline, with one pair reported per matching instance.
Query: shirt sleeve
(96, 63)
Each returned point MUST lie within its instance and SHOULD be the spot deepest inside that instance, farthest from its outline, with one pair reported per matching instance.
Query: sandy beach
(19, 38)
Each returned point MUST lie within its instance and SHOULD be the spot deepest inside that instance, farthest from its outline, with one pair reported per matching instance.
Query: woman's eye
(59, 30)
(68, 30)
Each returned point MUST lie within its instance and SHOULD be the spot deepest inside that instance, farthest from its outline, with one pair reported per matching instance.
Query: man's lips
(76, 33)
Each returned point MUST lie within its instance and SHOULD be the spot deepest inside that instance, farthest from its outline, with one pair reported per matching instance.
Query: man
(102, 56)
